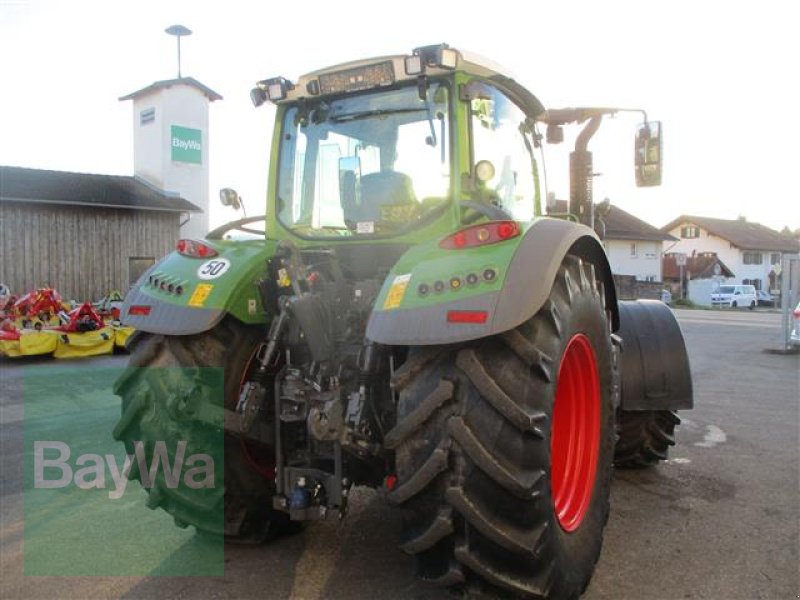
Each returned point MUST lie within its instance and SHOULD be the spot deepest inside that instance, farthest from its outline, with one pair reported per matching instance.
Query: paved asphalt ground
(719, 520)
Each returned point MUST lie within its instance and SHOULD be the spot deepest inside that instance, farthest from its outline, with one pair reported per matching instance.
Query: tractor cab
(400, 147)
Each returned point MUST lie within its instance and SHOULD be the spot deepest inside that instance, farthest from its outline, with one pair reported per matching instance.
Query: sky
(717, 74)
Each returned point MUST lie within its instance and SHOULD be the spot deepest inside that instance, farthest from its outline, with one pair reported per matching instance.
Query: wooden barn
(82, 234)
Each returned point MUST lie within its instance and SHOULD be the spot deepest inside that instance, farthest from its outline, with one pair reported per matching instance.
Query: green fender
(524, 271)
(181, 295)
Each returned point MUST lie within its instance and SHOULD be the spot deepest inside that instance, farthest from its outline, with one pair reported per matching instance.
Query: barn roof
(40, 186)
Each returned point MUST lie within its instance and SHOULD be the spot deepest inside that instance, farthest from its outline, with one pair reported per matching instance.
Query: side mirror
(647, 156)
(229, 197)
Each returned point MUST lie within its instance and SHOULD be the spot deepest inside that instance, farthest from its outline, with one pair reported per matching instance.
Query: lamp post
(178, 31)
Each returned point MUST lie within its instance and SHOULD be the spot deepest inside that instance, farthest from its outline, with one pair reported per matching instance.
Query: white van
(735, 296)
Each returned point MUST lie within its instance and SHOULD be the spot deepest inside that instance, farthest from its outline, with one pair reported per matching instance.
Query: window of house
(775, 258)
(633, 250)
(690, 232)
(752, 258)
(148, 115)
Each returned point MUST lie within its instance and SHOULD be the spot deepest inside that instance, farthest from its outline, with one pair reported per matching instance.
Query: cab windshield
(377, 163)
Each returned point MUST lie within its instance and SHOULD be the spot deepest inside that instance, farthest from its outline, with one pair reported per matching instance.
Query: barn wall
(80, 251)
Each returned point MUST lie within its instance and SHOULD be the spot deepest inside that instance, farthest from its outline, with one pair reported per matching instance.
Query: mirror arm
(587, 132)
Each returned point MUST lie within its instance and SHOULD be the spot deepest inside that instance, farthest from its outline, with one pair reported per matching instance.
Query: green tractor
(407, 317)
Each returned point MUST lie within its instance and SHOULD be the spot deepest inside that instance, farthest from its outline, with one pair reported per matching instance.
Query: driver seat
(378, 189)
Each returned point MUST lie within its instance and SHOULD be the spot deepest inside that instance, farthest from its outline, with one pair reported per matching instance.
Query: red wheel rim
(575, 435)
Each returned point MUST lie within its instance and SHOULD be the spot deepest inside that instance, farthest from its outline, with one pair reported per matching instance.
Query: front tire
(504, 449)
(644, 437)
(149, 415)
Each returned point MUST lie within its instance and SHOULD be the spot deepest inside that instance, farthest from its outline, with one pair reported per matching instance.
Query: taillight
(195, 249)
(481, 235)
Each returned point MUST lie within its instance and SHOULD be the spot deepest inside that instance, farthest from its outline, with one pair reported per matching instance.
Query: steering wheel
(490, 211)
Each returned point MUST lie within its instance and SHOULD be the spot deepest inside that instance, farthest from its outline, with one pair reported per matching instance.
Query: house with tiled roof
(634, 247)
(751, 251)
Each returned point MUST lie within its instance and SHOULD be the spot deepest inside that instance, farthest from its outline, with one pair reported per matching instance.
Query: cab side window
(497, 137)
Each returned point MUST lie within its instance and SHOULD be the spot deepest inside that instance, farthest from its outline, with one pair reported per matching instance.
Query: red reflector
(139, 310)
(390, 482)
(481, 235)
(467, 316)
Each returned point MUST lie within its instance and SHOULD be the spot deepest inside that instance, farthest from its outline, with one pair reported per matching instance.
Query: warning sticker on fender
(200, 294)
(397, 291)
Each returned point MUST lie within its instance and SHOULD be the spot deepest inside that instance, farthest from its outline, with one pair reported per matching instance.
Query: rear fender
(207, 294)
(527, 267)
(654, 364)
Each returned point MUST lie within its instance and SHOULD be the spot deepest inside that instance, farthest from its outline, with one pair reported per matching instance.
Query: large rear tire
(246, 497)
(504, 449)
(644, 437)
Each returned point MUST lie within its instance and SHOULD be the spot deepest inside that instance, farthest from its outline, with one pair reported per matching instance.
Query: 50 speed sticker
(211, 269)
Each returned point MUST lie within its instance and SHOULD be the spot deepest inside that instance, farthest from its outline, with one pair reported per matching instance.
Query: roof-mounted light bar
(439, 56)
(358, 76)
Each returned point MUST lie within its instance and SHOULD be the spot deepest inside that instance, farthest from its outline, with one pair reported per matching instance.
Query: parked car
(735, 296)
(794, 338)
(764, 298)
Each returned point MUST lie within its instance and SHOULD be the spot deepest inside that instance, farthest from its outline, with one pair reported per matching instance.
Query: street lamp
(178, 31)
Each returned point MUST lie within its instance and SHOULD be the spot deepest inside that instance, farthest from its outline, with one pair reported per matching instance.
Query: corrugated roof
(743, 234)
(18, 184)
(621, 225)
(158, 85)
